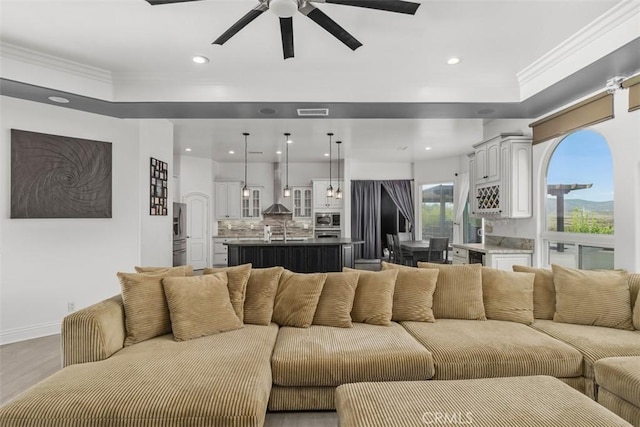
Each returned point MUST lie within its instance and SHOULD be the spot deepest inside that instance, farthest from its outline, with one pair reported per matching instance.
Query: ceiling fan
(285, 9)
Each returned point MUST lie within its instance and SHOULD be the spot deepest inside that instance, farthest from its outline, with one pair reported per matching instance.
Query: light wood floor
(25, 363)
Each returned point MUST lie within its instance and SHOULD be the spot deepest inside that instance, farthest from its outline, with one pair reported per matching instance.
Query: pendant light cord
(245, 158)
(287, 147)
(330, 135)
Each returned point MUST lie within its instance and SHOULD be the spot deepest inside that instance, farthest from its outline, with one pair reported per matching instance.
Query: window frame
(579, 239)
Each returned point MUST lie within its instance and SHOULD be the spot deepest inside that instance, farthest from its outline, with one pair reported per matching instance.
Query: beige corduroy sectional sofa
(222, 348)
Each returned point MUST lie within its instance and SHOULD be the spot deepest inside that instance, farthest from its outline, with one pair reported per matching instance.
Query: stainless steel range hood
(277, 208)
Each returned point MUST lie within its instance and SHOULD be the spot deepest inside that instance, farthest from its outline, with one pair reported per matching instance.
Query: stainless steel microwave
(327, 220)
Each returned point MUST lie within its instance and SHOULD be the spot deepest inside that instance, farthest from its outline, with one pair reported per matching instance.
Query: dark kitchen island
(301, 256)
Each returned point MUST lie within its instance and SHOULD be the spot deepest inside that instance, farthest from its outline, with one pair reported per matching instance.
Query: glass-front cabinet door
(302, 202)
(252, 206)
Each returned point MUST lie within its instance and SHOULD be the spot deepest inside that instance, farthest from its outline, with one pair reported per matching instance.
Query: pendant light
(338, 193)
(287, 191)
(245, 190)
(330, 187)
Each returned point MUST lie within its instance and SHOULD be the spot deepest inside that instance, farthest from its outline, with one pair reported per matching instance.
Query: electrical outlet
(305, 226)
(71, 306)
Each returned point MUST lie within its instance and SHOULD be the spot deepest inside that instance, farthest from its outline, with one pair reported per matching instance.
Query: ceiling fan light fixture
(283, 8)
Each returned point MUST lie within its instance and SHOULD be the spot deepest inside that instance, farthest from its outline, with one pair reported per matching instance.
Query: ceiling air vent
(313, 112)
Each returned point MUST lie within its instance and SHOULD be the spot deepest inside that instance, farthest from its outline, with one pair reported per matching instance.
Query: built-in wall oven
(327, 233)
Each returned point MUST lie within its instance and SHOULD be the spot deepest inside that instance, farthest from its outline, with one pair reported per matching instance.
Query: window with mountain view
(579, 202)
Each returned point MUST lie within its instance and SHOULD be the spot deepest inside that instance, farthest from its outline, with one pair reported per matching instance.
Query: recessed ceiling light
(232, 152)
(453, 61)
(326, 154)
(200, 59)
(427, 148)
(187, 149)
(278, 152)
(59, 99)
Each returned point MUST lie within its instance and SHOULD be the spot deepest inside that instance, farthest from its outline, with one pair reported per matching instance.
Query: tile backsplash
(255, 228)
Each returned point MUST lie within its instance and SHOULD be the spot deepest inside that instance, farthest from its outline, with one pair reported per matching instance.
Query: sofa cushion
(186, 269)
(594, 342)
(261, 292)
(200, 306)
(598, 298)
(336, 300)
(458, 293)
(219, 380)
(413, 295)
(544, 293)
(326, 356)
(621, 376)
(297, 298)
(145, 306)
(508, 295)
(373, 302)
(238, 277)
(464, 349)
(634, 288)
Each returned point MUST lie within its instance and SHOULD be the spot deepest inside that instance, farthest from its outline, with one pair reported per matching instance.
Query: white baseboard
(29, 332)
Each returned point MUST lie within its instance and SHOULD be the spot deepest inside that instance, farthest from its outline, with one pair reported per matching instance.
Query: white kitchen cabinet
(460, 256)
(487, 161)
(506, 261)
(220, 258)
(320, 199)
(252, 206)
(227, 199)
(511, 195)
(302, 202)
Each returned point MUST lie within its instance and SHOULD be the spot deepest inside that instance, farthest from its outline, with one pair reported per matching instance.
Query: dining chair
(390, 248)
(400, 256)
(438, 250)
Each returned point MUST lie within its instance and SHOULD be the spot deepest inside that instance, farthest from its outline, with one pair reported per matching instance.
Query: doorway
(197, 230)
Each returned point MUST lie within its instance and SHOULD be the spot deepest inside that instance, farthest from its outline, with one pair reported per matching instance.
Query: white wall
(45, 263)
(156, 140)
(623, 135)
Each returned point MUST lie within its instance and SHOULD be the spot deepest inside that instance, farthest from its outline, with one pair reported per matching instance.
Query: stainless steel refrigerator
(179, 234)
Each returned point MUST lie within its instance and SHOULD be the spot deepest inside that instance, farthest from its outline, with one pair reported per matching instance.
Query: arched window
(578, 198)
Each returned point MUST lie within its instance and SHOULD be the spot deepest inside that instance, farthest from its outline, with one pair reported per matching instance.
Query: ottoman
(618, 380)
(514, 401)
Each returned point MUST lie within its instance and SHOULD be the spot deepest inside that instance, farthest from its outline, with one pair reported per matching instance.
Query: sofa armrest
(93, 333)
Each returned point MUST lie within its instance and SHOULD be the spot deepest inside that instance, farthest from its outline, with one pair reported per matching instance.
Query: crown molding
(614, 17)
(33, 57)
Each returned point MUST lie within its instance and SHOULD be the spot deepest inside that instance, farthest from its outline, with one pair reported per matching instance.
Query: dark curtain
(400, 193)
(365, 217)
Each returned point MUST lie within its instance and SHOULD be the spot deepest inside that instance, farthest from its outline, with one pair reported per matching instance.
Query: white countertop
(489, 249)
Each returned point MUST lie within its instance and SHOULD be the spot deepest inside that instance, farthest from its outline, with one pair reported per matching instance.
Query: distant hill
(587, 205)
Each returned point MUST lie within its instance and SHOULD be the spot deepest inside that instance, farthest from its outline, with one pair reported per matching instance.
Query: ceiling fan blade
(397, 6)
(158, 2)
(286, 29)
(242, 22)
(317, 16)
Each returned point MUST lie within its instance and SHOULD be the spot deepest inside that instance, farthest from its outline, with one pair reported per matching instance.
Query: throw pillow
(508, 295)
(238, 277)
(413, 295)
(200, 306)
(336, 300)
(297, 298)
(458, 293)
(599, 298)
(544, 292)
(261, 292)
(145, 306)
(373, 302)
(187, 269)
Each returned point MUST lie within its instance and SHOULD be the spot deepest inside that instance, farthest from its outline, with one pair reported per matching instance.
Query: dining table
(416, 250)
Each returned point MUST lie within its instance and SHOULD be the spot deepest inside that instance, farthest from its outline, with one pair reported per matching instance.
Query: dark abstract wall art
(159, 177)
(59, 176)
